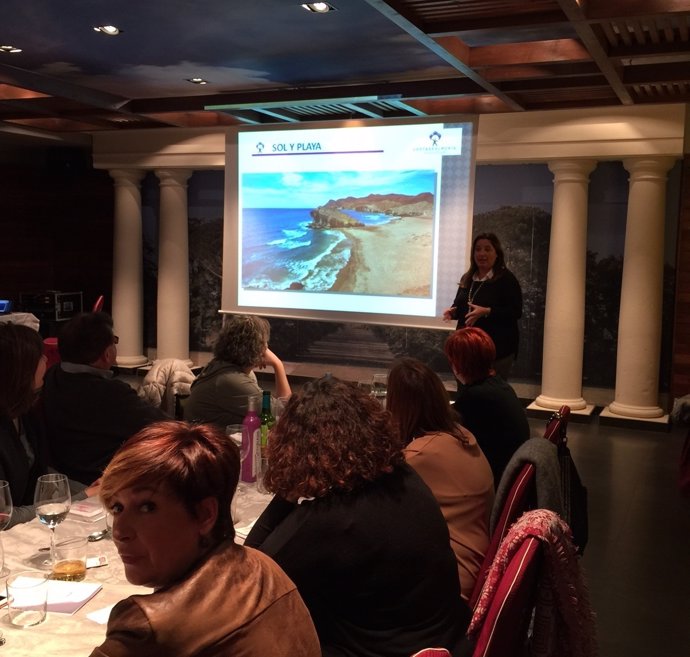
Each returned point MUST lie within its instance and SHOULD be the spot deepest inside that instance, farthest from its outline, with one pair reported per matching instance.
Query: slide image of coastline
(368, 232)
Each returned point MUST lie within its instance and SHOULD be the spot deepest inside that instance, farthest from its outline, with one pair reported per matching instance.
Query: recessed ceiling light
(110, 30)
(10, 49)
(197, 80)
(318, 7)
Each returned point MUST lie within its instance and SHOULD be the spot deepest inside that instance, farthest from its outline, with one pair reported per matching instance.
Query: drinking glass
(5, 516)
(379, 387)
(52, 500)
(239, 434)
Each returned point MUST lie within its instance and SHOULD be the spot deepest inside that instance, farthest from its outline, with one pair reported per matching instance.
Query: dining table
(77, 634)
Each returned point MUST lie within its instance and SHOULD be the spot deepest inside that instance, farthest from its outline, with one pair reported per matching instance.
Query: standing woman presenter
(489, 297)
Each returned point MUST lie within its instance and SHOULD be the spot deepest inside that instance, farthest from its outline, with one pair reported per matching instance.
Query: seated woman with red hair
(488, 406)
(356, 528)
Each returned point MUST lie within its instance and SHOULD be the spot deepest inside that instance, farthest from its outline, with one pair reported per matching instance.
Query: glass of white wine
(5, 516)
(379, 388)
(52, 500)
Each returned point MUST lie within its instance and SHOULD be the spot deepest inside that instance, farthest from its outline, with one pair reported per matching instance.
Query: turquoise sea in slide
(279, 249)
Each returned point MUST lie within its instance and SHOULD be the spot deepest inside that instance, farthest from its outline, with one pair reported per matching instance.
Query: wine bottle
(252, 421)
(267, 419)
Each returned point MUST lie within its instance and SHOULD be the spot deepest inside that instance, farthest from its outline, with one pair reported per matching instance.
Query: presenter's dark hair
(499, 265)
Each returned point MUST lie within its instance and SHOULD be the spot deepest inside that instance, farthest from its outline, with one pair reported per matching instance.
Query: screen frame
(230, 277)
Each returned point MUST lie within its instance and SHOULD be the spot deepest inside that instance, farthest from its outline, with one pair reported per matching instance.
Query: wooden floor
(637, 561)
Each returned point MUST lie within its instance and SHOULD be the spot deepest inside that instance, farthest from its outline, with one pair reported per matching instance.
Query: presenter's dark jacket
(503, 295)
(88, 415)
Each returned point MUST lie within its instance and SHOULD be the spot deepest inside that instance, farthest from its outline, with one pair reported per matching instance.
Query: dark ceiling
(270, 61)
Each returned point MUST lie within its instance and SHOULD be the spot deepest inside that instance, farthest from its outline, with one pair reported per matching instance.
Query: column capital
(127, 176)
(572, 170)
(648, 167)
(173, 177)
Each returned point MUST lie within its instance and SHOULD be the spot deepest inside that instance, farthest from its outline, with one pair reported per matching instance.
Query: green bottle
(267, 418)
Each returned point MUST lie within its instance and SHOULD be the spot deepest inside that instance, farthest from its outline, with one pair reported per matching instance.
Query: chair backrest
(535, 599)
(50, 349)
(504, 630)
(557, 426)
(521, 497)
(98, 304)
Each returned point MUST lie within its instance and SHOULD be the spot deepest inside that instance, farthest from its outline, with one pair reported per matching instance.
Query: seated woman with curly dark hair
(356, 529)
(220, 392)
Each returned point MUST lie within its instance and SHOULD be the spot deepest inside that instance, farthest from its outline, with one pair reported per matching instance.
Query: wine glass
(52, 500)
(5, 516)
(379, 388)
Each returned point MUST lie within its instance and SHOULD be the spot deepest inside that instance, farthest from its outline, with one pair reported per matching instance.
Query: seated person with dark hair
(88, 413)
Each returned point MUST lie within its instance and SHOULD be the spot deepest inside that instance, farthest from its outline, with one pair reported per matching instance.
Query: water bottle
(251, 465)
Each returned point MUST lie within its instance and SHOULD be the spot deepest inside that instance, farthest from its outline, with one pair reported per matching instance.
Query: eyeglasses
(116, 340)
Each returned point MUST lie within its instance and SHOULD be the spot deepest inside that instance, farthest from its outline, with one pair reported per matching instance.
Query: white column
(639, 322)
(564, 319)
(128, 265)
(173, 266)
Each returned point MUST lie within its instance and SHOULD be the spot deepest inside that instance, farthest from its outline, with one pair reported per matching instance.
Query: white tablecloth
(76, 635)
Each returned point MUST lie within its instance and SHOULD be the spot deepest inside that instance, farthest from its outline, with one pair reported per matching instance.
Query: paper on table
(243, 531)
(100, 616)
(68, 597)
(87, 508)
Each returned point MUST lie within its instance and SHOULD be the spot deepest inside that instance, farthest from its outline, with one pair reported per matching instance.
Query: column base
(583, 414)
(554, 403)
(630, 410)
(132, 361)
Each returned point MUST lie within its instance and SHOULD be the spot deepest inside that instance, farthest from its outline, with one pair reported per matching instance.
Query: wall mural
(513, 201)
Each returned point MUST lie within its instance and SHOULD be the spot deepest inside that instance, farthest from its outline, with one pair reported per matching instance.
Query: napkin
(68, 597)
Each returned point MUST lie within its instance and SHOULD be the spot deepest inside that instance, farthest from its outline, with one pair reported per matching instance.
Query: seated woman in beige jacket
(446, 456)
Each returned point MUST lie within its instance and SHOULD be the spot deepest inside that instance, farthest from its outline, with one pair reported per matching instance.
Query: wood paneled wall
(56, 226)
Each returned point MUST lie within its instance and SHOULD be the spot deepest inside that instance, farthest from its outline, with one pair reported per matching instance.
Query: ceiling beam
(573, 10)
(59, 88)
(449, 49)
(286, 96)
(613, 10)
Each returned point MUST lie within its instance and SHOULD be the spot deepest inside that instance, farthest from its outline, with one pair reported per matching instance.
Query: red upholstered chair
(504, 630)
(98, 304)
(535, 599)
(521, 497)
(432, 652)
(50, 349)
